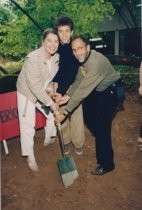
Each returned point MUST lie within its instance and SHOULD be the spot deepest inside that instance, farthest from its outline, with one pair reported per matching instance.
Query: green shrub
(130, 76)
(11, 67)
(14, 67)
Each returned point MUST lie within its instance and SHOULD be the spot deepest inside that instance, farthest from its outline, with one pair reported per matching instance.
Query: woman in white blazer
(33, 91)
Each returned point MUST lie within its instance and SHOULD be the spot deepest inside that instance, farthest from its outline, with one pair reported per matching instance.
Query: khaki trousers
(73, 128)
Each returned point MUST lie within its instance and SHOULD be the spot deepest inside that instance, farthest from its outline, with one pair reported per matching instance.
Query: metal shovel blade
(66, 165)
(68, 171)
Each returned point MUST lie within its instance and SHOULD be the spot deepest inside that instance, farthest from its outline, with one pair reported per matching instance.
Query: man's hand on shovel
(61, 116)
(63, 100)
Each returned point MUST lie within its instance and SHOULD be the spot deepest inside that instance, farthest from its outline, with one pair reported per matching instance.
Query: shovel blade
(68, 171)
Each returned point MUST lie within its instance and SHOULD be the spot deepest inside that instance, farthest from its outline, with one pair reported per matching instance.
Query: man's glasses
(78, 49)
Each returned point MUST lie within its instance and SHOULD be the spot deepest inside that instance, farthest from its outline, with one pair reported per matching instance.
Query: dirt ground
(121, 189)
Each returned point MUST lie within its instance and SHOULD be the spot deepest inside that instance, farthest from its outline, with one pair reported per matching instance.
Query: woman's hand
(54, 107)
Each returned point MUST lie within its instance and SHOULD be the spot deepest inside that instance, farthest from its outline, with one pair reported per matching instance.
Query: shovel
(66, 165)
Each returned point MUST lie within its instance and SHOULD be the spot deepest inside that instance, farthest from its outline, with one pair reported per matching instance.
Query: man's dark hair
(48, 31)
(83, 38)
(64, 21)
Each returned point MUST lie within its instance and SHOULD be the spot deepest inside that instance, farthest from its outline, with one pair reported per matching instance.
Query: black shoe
(101, 171)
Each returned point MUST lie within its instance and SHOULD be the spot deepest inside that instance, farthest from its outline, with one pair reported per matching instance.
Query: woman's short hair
(48, 31)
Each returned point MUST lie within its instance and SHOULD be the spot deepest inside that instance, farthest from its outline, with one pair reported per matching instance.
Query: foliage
(14, 67)
(21, 35)
(11, 67)
(130, 76)
(5, 15)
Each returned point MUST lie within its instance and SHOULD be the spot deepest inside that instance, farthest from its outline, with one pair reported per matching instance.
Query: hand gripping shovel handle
(61, 141)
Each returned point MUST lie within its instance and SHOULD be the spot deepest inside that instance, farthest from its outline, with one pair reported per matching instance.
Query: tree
(21, 35)
(5, 15)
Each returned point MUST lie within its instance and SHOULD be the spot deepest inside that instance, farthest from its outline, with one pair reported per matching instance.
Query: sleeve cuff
(49, 103)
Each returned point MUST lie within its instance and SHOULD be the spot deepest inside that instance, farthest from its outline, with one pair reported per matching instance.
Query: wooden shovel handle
(61, 141)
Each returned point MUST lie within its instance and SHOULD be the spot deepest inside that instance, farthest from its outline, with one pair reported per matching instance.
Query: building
(122, 34)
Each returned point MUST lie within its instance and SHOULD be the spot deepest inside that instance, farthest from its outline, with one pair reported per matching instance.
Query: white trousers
(27, 124)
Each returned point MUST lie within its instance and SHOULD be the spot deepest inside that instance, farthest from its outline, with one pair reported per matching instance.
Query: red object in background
(9, 123)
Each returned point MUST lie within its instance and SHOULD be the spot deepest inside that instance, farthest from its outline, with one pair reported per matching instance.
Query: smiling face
(51, 43)
(64, 33)
(80, 49)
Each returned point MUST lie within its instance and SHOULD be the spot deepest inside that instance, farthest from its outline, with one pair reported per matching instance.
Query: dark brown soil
(121, 189)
